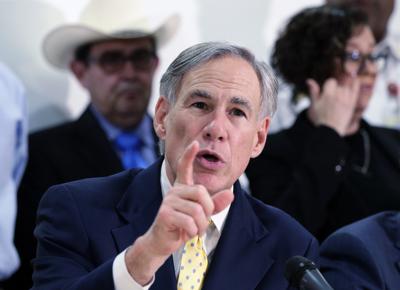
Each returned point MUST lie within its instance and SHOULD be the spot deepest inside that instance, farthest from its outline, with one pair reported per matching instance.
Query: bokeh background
(54, 96)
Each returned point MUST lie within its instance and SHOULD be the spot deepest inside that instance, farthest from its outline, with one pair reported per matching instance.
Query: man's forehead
(203, 82)
(228, 73)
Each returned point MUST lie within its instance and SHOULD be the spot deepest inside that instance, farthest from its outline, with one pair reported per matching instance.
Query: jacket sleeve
(347, 263)
(63, 255)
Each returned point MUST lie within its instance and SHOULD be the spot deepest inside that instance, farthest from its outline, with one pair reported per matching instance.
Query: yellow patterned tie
(193, 265)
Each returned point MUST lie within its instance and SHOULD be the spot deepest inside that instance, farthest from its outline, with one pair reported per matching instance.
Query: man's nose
(128, 70)
(216, 128)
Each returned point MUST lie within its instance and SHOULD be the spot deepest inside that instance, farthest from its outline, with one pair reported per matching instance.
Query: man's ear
(261, 136)
(79, 68)
(160, 117)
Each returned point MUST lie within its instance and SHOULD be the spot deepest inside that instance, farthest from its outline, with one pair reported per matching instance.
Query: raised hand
(333, 106)
(183, 214)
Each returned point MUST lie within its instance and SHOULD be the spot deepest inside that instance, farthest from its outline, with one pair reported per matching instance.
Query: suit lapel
(94, 148)
(239, 250)
(139, 207)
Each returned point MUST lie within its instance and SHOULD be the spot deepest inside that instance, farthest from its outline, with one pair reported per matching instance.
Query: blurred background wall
(55, 96)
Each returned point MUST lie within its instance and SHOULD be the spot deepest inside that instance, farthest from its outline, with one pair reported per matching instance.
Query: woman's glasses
(355, 62)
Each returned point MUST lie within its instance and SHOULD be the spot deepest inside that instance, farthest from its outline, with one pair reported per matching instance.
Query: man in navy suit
(365, 254)
(128, 231)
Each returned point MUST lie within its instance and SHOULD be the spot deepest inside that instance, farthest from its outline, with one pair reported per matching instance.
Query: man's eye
(199, 105)
(238, 112)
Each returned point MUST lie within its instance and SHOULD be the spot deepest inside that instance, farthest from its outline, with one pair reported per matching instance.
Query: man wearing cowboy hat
(114, 57)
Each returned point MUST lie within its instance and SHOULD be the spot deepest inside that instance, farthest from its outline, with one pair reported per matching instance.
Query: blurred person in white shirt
(13, 156)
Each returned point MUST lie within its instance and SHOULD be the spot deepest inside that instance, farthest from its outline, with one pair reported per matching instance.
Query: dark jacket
(364, 255)
(74, 252)
(315, 175)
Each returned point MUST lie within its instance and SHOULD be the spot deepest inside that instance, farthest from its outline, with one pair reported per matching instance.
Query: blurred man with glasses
(113, 54)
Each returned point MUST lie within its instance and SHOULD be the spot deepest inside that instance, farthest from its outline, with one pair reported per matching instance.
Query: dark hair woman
(331, 167)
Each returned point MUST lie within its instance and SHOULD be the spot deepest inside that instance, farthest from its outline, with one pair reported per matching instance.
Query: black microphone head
(295, 269)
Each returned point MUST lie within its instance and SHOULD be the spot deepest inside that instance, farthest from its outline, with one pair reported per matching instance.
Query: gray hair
(202, 53)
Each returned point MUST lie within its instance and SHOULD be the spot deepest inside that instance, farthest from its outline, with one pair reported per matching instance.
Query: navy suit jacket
(83, 225)
(365, 254)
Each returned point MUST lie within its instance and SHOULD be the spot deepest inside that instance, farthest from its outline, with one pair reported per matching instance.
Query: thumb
(313, 89)
(221, 200)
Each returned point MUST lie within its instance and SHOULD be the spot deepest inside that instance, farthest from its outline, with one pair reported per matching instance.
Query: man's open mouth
(210, 160)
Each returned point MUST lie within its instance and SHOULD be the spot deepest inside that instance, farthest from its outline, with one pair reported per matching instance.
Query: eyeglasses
(355, 61)
(114, 60)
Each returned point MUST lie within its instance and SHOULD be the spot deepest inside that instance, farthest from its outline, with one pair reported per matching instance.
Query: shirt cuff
(122, 279)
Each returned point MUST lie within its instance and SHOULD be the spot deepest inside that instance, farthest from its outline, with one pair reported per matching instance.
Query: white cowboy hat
(103, 20)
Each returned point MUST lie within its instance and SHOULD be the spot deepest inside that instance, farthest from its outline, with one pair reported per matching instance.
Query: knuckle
(197, 211)
(190, 226)
(164, 213)
(198, 188)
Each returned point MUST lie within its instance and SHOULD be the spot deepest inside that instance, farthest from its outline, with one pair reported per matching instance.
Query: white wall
(55, 96)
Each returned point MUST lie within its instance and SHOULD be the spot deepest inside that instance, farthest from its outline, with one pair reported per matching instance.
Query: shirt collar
(112, 131)
(218, 219)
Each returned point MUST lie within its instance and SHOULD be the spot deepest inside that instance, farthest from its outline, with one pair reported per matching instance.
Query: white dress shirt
(13, 157)
(124, 281)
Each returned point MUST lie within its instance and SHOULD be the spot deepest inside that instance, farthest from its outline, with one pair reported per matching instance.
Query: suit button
(340, 165)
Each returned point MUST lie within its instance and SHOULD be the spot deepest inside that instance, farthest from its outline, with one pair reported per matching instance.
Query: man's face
(378, 12)
(218, 105)
(119, 90)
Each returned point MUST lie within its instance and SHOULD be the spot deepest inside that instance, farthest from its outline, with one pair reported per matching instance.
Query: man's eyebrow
(234, 100)
(200, 93)
(242, 102)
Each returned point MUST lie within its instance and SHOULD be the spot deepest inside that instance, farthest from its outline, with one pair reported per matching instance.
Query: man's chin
(212, 183)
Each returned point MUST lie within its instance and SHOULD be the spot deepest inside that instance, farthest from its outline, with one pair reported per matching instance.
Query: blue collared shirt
(144, 131)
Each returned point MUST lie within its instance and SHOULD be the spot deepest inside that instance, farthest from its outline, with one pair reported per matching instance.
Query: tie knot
(128, 141)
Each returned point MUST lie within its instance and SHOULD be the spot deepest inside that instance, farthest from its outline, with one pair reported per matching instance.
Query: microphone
(304, 274)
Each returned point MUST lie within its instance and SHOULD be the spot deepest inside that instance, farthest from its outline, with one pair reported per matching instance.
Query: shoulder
(9, 79)
(357, 254)
(367, 231)
(389, 132)
(55, 134)
(51, 132)
(54, 138)
(11, 87)
(363, 236)
(105, 191)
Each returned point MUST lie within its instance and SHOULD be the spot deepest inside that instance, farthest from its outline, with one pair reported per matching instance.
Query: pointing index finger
(184, 173)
